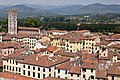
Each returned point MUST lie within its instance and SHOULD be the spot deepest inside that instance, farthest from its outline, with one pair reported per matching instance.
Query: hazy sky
(58, 2)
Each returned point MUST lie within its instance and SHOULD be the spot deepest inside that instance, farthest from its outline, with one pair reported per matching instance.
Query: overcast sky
(58, 2)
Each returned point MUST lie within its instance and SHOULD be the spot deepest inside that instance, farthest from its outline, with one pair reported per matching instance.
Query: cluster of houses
(29, 54)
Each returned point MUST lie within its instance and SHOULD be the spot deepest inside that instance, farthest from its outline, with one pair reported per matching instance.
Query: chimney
(74, 64)
(36, 58)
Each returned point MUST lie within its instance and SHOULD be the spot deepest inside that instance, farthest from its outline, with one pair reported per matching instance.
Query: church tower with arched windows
(12, 22)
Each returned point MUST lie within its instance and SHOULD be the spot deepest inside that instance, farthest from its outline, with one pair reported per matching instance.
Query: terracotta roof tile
(16, 54)
(40, 50)
(90, 64)
(65, 66)
(101, 74)
(116, 46)
(44, 60)
(52, 48)
(8, 75)
(54, 78)
(114, 69)
(75, 70)
(28, 28)
(57, 31)
(115, 36)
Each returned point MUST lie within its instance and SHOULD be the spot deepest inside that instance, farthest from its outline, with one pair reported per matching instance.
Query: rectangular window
(10, 67)
(23, 72)
(38, 75)
(16, 63)
(28, 73)
(23, 66)
(10, 61)
(19, 69)
(33, 74)
(58, 71)
(13, 61)
(7, 67)
(84, 70)
(92, 77)
(91, 70)
(13, 68)
(16, 68)
(83, 76)
(43, 69)
(28, 67)
(4, 66)
(33, 68)
(66, 72)
(43, 75)
(49, 69)
(113, 78)
(71, 74)
(54, 74)
(38, 69)
(77, 75)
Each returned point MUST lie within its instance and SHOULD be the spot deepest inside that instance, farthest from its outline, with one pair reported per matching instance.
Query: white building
(57, 32)
(39, 45)
(75, 73)
(62, 70)
(88, 70)
(34, 66)
(10, 63)
(68, 70)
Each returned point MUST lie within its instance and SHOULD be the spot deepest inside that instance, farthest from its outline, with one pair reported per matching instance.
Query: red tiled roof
(10, 44)
(75, 70)
(57, 31)
(44, 60)
(114, 69)
(115, 36)
(110, 55)
(54, 78)
(101, 74)
(16, 54)
(39, 50)
(52, 48)
(28, 28)
(82, 31)
(117, 46)
(66, 54)
(2, 33)
(8, 75)
(5, 38)
(65, 66)
(89, 64)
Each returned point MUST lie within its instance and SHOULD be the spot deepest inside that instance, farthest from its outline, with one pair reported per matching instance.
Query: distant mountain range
(26, 10)
(89, 9)
(67, 10)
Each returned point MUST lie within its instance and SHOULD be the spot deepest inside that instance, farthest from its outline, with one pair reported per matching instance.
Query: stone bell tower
(12, 22)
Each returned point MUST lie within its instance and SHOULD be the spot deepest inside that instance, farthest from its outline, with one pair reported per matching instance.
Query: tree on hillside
(31, 22)
(117, 29)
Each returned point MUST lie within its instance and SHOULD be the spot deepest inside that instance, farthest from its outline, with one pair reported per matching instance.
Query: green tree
(31, 22)
(117, 29)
